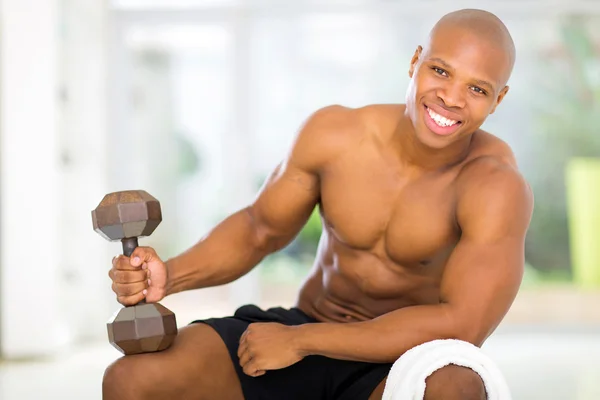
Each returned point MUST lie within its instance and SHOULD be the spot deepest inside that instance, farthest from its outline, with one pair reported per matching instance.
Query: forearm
(228, 252)
(380, 340)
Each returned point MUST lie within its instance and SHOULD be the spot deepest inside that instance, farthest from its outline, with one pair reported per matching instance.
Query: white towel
(406, 379)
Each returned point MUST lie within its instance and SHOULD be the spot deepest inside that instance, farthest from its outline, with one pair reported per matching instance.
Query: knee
(455, 382)
(122, 380)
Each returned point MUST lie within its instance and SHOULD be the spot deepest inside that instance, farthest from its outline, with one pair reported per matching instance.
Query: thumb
(141, 255)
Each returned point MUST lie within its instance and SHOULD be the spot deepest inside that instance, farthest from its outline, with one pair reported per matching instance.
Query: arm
(479, 283)
(281, 208)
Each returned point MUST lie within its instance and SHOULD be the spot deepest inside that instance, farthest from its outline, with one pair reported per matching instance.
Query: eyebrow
(479, 82)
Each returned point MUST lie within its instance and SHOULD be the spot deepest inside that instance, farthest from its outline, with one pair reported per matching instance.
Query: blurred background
(196, 101)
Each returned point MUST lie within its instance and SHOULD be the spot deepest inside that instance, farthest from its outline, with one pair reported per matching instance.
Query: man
(424, 219)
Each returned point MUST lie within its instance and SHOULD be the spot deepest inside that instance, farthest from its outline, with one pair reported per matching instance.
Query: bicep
(485, 270)
(285, 202)
(480, 284)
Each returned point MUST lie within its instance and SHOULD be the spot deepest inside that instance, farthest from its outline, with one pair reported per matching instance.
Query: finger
(141, 255)
(250, 369)
(131, 300)
(122, 263)
(129, 289)
(245, 335)
(245, 358)
(119, 276)
(254, 372)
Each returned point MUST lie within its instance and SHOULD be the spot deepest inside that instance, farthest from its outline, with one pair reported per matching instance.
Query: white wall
(54, 288)
(84, 255)
(30, 191)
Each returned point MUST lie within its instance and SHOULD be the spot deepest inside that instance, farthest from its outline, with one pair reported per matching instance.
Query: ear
(500, 98)
(414, 61)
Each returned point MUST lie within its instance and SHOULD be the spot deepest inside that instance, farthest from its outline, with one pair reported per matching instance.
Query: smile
(439, 124)
(440, 120)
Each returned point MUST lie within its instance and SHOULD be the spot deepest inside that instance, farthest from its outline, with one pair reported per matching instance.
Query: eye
(439, 71)
(478, 90)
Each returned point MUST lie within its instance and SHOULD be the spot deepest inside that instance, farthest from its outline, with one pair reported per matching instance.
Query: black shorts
(312, 378)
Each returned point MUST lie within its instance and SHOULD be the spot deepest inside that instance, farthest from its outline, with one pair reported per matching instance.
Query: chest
(370, 204)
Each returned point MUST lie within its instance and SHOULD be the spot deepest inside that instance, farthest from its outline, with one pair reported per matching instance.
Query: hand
(268, 346)
(143, 275)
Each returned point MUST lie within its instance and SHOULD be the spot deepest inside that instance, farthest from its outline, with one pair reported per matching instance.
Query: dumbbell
(127, 216)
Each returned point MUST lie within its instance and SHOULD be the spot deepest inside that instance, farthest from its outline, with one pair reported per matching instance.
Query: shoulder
(492, 176)
(490, 188)
(491, 160)
(330, 132)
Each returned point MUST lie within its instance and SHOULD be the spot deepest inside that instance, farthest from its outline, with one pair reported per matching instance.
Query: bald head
(481, 24)
(462, 72)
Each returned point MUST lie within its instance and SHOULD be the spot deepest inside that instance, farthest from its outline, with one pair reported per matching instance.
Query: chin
(431, 140)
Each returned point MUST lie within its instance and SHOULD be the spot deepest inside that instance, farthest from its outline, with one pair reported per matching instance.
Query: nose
(452, 95)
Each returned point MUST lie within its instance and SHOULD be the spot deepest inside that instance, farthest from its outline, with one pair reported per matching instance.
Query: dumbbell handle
(129, 245)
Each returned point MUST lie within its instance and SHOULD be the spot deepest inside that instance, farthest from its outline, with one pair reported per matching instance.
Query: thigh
(197, 366)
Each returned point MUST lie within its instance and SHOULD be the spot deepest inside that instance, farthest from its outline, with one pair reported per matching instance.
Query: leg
(449, 383)
(197, 366)
(454, 383)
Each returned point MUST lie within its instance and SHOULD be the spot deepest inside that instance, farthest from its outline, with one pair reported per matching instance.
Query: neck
(418, 155)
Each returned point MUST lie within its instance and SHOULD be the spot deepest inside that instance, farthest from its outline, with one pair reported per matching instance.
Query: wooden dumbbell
(126, 216)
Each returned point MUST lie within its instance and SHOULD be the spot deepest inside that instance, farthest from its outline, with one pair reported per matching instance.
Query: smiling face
(457, 80)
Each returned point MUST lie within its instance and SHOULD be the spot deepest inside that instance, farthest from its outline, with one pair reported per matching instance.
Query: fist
(141, 276)
(268, 346)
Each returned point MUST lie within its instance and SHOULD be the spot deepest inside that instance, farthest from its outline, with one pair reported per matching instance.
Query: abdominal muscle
(360, 286)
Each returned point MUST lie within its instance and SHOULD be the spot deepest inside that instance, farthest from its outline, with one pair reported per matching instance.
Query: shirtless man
(424, 218)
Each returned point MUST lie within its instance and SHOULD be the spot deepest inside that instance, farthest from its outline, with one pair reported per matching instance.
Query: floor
(537, 365)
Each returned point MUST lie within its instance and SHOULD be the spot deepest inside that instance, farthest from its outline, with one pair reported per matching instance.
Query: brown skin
(423, 234)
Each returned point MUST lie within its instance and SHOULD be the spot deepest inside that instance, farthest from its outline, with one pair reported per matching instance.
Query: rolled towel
(406, 379)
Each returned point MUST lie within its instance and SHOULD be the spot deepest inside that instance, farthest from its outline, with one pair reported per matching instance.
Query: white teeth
(440, 120)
